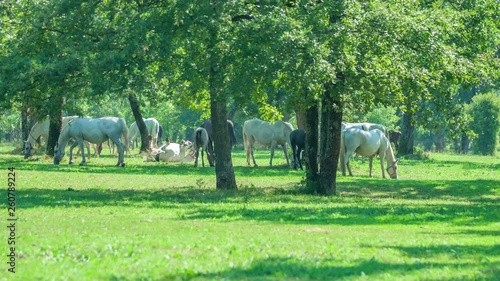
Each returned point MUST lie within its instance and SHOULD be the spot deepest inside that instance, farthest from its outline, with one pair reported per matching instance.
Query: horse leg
(203, 157)
(272, 155)
(71, 152)
(298, 158)
(121, 151)
(382, 165)
(285, 150)
(87, 145)
(210, 153)
(347, 163)
(81, 144)
(342, 160)
(371, 165)
(252, 152)
(294, 157)
(196, 157)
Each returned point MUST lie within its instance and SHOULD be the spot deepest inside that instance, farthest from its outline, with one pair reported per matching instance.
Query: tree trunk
(464, 145)
(55, 117)
(311, 149)
(134, 104)
(331, 118)
(224, 172)
(25, 128)
(407, 135)
(300, 117)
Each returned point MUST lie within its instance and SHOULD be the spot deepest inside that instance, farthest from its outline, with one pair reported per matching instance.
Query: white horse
(365, 126)
(95, 131)
(266, 134)
(369, 143)
(41, 129)
(171, 152)
(153, 128)
(201, 140)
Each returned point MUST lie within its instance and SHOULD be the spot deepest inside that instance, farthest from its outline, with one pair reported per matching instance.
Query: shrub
(485, 112)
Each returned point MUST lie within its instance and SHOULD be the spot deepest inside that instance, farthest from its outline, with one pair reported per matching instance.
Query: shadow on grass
(470, 190)
(142, 168)
(286, 268)
(456, 251)
(254, 204)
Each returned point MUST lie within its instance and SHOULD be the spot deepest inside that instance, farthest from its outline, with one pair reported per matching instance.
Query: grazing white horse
(153, 128)
(201, 140)
(266, 134)
(171, 152)
(95, 131)
(41, 129)
(369, 143)
(365, 126)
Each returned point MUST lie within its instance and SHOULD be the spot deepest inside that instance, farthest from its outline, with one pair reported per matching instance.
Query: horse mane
(63, 139)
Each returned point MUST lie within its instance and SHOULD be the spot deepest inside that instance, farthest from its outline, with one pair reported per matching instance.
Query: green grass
(166, 221)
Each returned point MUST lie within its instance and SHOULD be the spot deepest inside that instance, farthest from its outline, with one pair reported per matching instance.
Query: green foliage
(379, 114)
(485, 111)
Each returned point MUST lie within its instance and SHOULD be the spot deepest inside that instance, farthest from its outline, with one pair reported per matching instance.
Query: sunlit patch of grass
(166, 221)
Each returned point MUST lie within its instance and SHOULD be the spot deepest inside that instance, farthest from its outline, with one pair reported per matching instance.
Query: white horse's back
(365, 143)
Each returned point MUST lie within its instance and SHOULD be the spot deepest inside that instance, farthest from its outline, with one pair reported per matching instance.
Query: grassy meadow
(166, 221)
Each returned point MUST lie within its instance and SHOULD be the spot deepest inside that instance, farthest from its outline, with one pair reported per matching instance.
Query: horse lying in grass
(266, 134)
(41, 129)
(369, 143)
(171, 152)
(201, 140)
(153, 128)
(95, 131)
(298, 144)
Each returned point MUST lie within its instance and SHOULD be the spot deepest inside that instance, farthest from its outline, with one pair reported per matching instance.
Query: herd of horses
(364, 139)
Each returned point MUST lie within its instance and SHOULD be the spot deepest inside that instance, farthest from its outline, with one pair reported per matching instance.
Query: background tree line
(320, 59)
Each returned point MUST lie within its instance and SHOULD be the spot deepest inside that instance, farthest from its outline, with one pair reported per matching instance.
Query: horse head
(28, 149)
(392, 170)
(58, 155)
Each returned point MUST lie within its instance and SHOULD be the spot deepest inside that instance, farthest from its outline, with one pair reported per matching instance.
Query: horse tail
(343, 149)
(232, 133)
(197, 139)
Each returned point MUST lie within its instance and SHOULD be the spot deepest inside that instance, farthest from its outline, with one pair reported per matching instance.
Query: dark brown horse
(230, 127)
(298, 144)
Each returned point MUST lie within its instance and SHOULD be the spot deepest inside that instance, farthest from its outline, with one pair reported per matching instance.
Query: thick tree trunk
(55, 117)
(300, 117)
(134, 104)
(331, 118)
(407, 135)
(224, 172)
(311, 149)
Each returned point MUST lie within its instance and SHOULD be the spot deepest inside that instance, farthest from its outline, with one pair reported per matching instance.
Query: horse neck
(63, 138)
(34, 134)
(389, 155)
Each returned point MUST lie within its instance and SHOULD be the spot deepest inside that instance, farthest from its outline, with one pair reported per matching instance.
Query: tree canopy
(325, 56)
